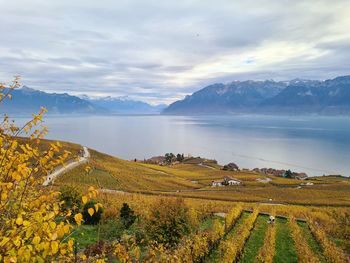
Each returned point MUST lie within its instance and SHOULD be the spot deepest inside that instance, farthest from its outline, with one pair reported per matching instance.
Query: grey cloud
(163, 50)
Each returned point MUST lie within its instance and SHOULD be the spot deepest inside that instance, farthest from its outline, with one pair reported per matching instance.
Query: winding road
(67, 167)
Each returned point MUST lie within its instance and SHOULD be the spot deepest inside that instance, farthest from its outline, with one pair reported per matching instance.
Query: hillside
(300, 233)
(194, 180)
(269, 97)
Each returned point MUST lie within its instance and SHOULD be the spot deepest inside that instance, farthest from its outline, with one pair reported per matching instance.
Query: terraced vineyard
(234, 220)
(248, 236)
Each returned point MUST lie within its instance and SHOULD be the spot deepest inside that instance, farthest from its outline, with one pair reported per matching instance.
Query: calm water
(315, 145)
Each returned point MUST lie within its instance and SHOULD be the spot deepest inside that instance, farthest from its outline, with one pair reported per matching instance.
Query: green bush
(127, 216)
(96, 217)
(71, 197)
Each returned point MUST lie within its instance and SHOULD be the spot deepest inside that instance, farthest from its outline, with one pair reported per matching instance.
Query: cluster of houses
(226, 181)
(281, 173)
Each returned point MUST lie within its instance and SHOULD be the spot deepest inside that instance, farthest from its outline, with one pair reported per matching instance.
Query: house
(301, 176)
(216, 183)
(227, 180)
(160, 160)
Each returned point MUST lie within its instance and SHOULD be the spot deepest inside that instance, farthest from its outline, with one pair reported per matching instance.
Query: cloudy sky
(159, 51)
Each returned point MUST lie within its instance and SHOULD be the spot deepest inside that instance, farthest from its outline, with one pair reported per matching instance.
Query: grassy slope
(285, 250)
(255, 240)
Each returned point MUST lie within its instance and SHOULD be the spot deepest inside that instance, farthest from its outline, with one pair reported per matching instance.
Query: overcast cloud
(159, 51)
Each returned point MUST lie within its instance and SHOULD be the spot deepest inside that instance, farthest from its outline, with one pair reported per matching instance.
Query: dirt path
(206, 166)
(67, 167)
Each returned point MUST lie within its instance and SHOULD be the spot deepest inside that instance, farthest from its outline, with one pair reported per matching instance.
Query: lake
(312, 144)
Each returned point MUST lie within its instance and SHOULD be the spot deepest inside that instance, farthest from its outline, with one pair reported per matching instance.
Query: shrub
(33, 227)
(127, 216)
(92, 213)
(71, 197)
(169, 221)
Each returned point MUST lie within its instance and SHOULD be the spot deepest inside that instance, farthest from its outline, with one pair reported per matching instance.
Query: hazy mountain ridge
(26, 101)
(124, 105)
(295, 97)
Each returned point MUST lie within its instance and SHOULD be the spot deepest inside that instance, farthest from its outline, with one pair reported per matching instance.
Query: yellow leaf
(78, 218)
(54, 247)
(52, 225)
(84, 199)
(70, 244)
(19, 221)
(17, 242)
(4, 241)
(91, 211)
(26, 223)
(54, 236)
(69, 213)
(36, 240)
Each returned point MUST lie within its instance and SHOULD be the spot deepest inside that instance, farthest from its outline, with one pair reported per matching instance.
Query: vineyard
(171, 214)
(241, 234)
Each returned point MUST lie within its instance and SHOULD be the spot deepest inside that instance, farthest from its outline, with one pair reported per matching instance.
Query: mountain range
(124, 105)
(27, 101)
(298, 96)
(268, 97)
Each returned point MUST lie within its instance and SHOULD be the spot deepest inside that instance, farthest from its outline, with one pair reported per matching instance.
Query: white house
(216, 183)
(226, 181)
(231, 181)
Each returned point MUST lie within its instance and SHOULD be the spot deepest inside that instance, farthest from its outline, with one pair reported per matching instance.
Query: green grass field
(285, 249)
(256, 240)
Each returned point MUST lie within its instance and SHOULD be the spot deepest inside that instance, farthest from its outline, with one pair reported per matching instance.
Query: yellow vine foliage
(305, 255)
(32, 226)
(192, 249)
(231, 248)
(267, 251)
(332, 253)
(232, 216)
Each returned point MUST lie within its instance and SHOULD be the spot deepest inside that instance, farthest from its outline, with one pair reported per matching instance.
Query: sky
(160, 51)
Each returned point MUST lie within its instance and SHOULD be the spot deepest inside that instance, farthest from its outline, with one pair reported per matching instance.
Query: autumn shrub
(169, 221)
(92, 213)
(71, 198)
(33, 225)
